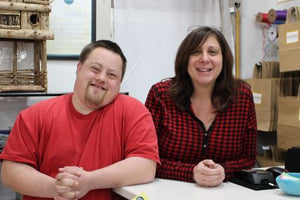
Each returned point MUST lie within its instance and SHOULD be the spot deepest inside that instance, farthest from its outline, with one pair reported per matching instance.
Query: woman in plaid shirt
(204, 117)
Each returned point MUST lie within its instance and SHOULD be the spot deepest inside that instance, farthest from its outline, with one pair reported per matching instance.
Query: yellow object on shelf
(140, 196)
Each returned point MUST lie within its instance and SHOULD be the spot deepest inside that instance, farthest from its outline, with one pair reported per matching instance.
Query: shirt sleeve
(141, 139)
(247, 160)
(153, 103)
(175, 170)
(21, 144)
(168, 169)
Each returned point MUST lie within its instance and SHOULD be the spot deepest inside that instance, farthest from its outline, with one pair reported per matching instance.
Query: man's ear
(79, 65)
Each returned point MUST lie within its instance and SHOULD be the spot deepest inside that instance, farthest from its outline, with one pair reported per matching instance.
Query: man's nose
(101, 76)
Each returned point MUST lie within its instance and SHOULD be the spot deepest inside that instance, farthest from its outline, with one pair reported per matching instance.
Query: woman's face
(205, 65)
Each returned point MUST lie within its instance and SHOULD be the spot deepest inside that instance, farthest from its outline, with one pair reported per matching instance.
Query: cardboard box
(265, 94)
(288, 129)
(289, 47)
(267, 69)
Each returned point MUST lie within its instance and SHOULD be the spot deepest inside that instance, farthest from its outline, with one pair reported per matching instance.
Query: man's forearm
(26, 180)
(130, 171)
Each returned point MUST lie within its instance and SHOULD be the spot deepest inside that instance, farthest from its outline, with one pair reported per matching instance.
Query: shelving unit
(5, 192)
(28, 94)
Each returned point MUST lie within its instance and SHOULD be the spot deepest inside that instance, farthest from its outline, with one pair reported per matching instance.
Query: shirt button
(204, 145)
(205, 134)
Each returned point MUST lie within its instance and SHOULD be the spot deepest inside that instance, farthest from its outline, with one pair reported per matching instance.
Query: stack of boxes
(265, 89)
(276, 89)
(288, 127)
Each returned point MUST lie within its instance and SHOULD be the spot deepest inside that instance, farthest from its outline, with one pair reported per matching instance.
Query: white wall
(251, 40)
(150, 35)
(61, 74)
(252, 33)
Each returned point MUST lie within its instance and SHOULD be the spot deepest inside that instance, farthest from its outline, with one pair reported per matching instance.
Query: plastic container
(289, 183)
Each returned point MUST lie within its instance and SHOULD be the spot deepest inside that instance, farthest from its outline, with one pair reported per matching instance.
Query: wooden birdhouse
(24, 29)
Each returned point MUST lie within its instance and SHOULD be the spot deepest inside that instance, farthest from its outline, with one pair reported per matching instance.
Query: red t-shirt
(52, 134)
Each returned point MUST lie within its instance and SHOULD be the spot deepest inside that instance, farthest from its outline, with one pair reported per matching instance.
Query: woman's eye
(215, 50)
(196, 52)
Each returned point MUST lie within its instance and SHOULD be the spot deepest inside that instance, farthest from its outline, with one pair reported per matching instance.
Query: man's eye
(112, 75)
(95, 69)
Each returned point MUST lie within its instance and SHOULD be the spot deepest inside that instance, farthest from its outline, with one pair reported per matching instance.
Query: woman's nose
(204, 56)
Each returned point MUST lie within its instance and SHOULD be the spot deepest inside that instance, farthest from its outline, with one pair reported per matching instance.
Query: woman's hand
(208, 173)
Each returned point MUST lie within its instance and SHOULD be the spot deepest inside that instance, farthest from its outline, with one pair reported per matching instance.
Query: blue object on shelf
(5, 132)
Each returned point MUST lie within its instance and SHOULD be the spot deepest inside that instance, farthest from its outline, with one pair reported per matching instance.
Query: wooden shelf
(264, 162)
(28, 94)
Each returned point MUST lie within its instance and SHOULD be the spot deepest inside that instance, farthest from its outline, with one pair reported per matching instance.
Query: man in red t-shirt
(80, 145)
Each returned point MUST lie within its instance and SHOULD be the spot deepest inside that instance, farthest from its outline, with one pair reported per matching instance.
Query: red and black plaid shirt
(184, 142)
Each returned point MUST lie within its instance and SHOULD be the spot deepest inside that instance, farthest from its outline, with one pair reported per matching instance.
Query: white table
(164, 189)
